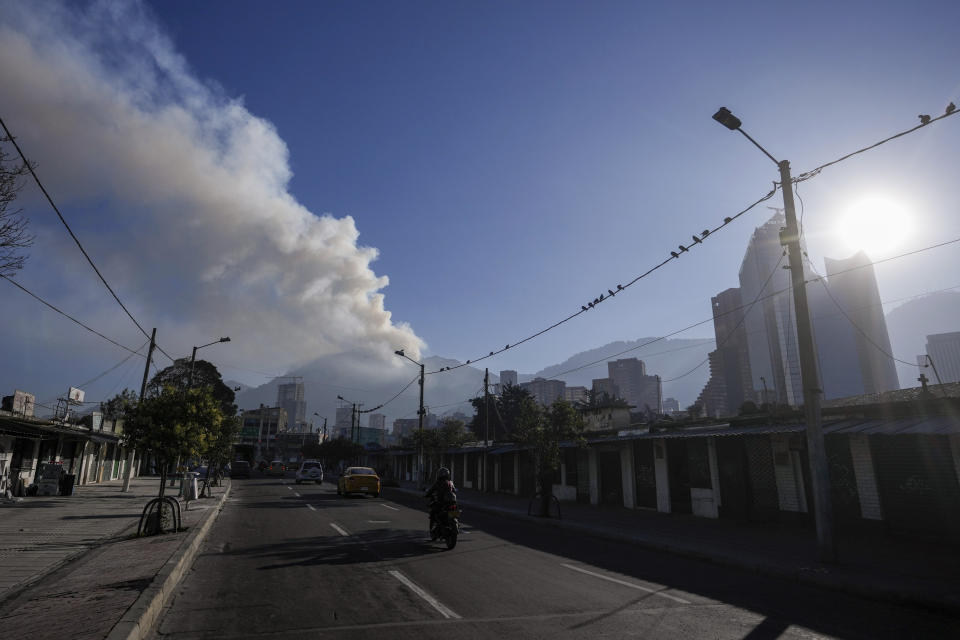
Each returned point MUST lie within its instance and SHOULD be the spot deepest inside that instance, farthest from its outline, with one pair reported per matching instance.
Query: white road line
(389, 507)
(297, 494)
(445, 611)
(339, 529)
(378, 521)
(289, 487)
(311, 507)
(627, 584)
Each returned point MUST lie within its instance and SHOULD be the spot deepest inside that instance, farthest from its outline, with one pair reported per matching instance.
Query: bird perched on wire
(619, 287)
(675, 254)
(590, 304)
(610, 291)
(682, 248)
(951, 108)
(705, 233)
(727, 220)
(696, 240)
(583, 308)
(924, 118)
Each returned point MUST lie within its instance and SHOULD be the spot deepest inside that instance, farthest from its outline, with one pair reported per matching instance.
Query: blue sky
(510, 161)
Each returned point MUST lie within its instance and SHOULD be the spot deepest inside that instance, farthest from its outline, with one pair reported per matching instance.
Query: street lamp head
(399, 352)
(340, 398)
(227, 339)
(727, 119)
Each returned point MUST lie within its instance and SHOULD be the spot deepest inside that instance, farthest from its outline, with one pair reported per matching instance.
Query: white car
(310, 471)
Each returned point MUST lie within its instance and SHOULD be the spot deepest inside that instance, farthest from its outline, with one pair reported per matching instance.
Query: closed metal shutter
(645, 474)
(843, 480)
(763, 483)
(918, 484)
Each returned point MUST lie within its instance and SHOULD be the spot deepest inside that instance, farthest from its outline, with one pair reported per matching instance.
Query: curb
(811, 577)
(139, 619)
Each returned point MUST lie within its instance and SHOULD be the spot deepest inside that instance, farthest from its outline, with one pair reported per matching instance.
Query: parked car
(240, 469)
(359, 480)
(310, 471)
(277, 468)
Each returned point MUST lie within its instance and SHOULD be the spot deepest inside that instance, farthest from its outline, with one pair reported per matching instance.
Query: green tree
(542, 431)
(332, 452)
(205, 374)
(603, 399)
(120, 405)
(174, 424)
(505, 411)
(450, 434)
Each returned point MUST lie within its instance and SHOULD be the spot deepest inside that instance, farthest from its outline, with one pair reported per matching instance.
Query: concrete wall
(627, 476)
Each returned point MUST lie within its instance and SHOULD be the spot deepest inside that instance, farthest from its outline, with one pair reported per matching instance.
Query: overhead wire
(76, 240)
(674, 255)
(397, 395)
(67, 315)
(806, 175)
(743, 318)
(95, 378)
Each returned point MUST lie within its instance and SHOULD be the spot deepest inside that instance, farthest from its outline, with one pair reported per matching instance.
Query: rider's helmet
(443, 473)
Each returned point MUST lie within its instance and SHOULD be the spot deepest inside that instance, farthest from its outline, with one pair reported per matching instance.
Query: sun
(875, 225)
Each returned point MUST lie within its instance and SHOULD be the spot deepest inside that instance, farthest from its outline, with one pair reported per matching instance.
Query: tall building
(944, 350)
(601, 386)
(378, 421)
(575, 394)
(343, 427)
(403, 427)
(290, 397)
(850, 331)
(730, 383)
(259, 428)
(508, 376)
(629, 376)
(670, 404)
(770, 324)
(546, 392)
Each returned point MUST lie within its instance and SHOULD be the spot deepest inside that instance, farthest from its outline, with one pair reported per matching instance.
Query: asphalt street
(297, 561)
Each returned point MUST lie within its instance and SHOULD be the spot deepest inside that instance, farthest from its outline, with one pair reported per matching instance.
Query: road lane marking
(627, 584)
(289, 487)
(339, 529)
(311, 507)
(389, 507)
(445, 611)
(297, 494)
(378, 521)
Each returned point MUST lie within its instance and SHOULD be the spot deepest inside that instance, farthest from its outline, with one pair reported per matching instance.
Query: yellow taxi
(359, 480)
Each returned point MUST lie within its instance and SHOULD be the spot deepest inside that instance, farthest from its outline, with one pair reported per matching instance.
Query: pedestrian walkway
(72, 566)
(871, 563)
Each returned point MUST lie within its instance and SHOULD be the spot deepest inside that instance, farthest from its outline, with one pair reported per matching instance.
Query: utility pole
(790, 238)
(420, 429)
(131, 455)
(486, 422)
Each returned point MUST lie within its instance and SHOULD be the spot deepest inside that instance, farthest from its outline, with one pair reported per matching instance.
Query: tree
(603, 399)
(450, 434)
(174, 424)
(14, 235)
(542, 430)
(119, 406)
(333, 451)
(205, 374)
(505, 410)
(749, 407)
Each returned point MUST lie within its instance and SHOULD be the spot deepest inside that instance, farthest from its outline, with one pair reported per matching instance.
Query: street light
(353, 413)
(790, 238)
(400, 353)
(194, 356)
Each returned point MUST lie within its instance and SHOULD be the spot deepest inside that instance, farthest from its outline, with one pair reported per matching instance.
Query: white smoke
(198, 231)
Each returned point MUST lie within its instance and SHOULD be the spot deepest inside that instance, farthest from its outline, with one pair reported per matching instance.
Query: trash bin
(190, 485)
(66, 484)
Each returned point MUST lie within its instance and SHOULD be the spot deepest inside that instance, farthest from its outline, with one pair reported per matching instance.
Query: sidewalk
(872, 564)
(71, 568)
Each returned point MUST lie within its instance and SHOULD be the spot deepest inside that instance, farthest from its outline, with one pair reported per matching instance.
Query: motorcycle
(446, 525)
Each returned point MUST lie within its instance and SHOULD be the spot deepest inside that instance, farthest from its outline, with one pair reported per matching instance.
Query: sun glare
(875, 225)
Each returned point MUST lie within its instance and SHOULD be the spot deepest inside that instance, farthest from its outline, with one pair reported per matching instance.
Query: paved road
(298, 562)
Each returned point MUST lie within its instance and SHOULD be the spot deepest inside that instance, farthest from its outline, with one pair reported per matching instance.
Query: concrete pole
(823, 509)
(420, 428)
(132, 454)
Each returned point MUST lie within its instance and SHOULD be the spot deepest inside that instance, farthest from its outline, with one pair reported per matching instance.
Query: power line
(380, 406)
(67, 226)
(756, 299)
(769, 295)
(850, 320)
(674, 255)
(806, 175)
(95, 378)
(66, 315)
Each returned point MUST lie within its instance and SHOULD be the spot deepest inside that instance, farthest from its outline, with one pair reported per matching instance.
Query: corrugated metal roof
(914, 425)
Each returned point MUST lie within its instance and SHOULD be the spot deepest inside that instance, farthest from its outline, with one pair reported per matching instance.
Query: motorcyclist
(442, 493)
